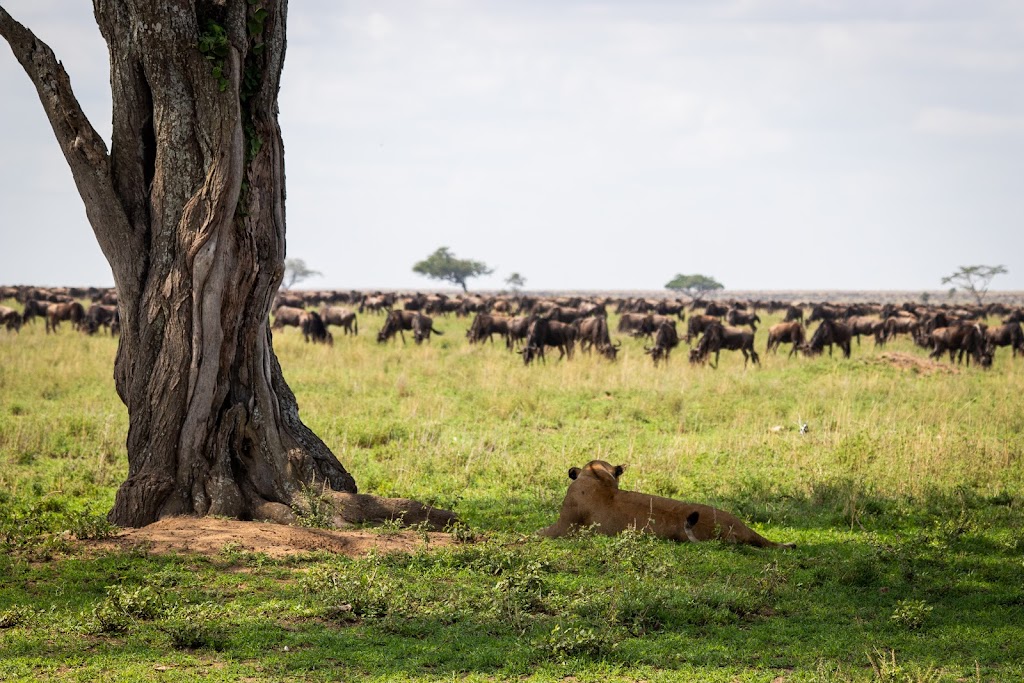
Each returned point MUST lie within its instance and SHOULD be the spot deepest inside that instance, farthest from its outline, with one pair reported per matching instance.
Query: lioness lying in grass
(594, 499)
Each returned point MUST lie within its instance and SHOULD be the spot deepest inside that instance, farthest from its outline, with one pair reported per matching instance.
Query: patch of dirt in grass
(209, 536)
(906, 361)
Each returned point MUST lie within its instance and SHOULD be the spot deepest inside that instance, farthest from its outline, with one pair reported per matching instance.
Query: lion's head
(600, 470)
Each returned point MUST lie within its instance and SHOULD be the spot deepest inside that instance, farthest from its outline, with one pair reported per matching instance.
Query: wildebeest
(340, 316)
(736, 316)
(101, 315)
(867, 325)
(378, 303)
(898, 324)
(34, 308)
(486, 325)
(665, 339)
(593, 332)
(288, 315)
(717, 337)
(829, 332)
(794, 314)
(1009, 334)
(73, 312)
(786, 333)
(398, 321)
(422, 326)
(518, 329)
(10, 318)
(676, 308)
(290, 299)
(697, 324)
(715, 309)
(966, 338)
(929, 323)
(635, 324)
(825, 312)
(544, 332)
(313, 329)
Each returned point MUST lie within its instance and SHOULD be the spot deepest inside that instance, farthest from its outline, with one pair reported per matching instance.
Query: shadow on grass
(509, 608)
(943, 591)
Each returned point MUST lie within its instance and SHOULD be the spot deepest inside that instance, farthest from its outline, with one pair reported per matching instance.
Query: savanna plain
(904, 495)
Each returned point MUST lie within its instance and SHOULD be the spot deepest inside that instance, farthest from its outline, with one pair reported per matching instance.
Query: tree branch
(84, 149)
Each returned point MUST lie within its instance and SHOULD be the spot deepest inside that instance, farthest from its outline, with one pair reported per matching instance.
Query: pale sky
(800, 144)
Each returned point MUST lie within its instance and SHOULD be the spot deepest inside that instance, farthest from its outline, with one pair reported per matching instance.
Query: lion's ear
(574, 472)
(619, 469)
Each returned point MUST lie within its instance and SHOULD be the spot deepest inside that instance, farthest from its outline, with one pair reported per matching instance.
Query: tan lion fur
(594, 499)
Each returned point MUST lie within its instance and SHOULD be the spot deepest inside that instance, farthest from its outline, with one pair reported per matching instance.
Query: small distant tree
(443, 265)
(515, 282)
(694, 285)
(974, 280)
(295, 271)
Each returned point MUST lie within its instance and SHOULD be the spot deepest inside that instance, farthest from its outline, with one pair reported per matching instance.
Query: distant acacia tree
(693, 284)
(443, 265)
(515, 282)
(974, 280)
(295, 271)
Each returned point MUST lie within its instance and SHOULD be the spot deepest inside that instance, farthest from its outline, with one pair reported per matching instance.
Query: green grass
(905, 498)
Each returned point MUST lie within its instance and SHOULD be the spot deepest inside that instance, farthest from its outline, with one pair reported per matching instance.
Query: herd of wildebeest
(531, 324)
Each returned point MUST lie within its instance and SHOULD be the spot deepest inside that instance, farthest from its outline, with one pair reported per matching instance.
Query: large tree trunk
(188, 208)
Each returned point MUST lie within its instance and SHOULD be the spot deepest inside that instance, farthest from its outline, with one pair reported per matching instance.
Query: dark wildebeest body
(73, 312)
(102, 315)
(665, 339)
(342, 317)
(961, 339)
(486, 325)
(1009, 334)
(518, 329)
(715, 309)
(10, 319)
(635, 324)
(593, 332)
(717, 337)
(696, 326)
(288, 315)
(313, 329)
(794, 314)
(830, 332)
(930, 323)
(786, 333)
(867, 325)
(289, 299)
(736, 316)
(422, 327)
(399, 321)
(824, 312)
(676, 308)
(898, 324)
(34, 308)
(376, 303)
(544, 332)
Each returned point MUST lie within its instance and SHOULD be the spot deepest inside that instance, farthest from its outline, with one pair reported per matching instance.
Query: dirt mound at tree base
(210, 536)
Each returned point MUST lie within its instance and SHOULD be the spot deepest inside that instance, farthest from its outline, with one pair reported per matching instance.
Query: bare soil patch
(209, 536)
(906, 361)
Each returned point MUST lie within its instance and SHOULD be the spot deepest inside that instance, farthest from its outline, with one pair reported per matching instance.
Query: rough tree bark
(188, 208)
